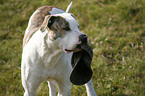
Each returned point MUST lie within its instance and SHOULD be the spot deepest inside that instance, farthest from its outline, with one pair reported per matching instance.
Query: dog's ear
(45, 23)
(69, 7)
(48, 21)
(81, 61)
(54, 23)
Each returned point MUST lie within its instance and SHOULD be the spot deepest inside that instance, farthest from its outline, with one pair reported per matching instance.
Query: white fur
(69, 7)
(45, 60)
(56, 11)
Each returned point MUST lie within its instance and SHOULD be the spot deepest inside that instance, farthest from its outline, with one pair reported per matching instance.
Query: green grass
(116, 31)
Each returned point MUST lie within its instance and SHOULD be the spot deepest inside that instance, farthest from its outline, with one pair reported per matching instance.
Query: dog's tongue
(81, 61)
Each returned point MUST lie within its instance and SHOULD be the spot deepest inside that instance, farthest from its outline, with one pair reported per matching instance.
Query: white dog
(52, 40)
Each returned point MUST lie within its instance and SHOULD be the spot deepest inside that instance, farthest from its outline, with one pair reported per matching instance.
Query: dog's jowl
(54, 50)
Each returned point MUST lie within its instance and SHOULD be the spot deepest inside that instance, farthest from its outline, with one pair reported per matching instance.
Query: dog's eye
(66, 28)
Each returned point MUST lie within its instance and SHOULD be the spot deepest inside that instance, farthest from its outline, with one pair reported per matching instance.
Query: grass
(116, 31)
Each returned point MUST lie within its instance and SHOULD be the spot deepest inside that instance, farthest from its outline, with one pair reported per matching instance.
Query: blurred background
(116, 32)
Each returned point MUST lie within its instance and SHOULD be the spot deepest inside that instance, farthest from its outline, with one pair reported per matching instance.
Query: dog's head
(64, 29)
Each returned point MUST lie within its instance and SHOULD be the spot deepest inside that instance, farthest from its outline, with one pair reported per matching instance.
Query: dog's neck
(50, 50)
(49, 46)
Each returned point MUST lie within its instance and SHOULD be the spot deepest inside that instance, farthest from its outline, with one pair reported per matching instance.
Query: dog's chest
(54, 64)
(56, 59)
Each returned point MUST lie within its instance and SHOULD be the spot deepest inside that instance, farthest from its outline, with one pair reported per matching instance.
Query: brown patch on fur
(36, 22)
(59, 26)
(59, 23)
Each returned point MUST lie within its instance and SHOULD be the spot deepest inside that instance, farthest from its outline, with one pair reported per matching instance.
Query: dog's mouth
(76, 49)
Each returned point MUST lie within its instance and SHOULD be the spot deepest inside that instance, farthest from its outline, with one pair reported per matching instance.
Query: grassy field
(116, 32)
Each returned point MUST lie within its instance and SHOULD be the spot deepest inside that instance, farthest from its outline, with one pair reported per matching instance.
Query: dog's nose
(83, 38)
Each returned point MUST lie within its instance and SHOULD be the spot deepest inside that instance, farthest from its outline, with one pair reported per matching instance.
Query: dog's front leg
(52, 88)
(30, 85)
(64, 88)
(90, 89)
(30, 79)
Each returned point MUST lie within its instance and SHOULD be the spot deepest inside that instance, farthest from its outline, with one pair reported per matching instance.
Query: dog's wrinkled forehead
(69, 17)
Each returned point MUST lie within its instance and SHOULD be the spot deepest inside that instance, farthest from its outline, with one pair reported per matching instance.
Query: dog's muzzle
(82, 39)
